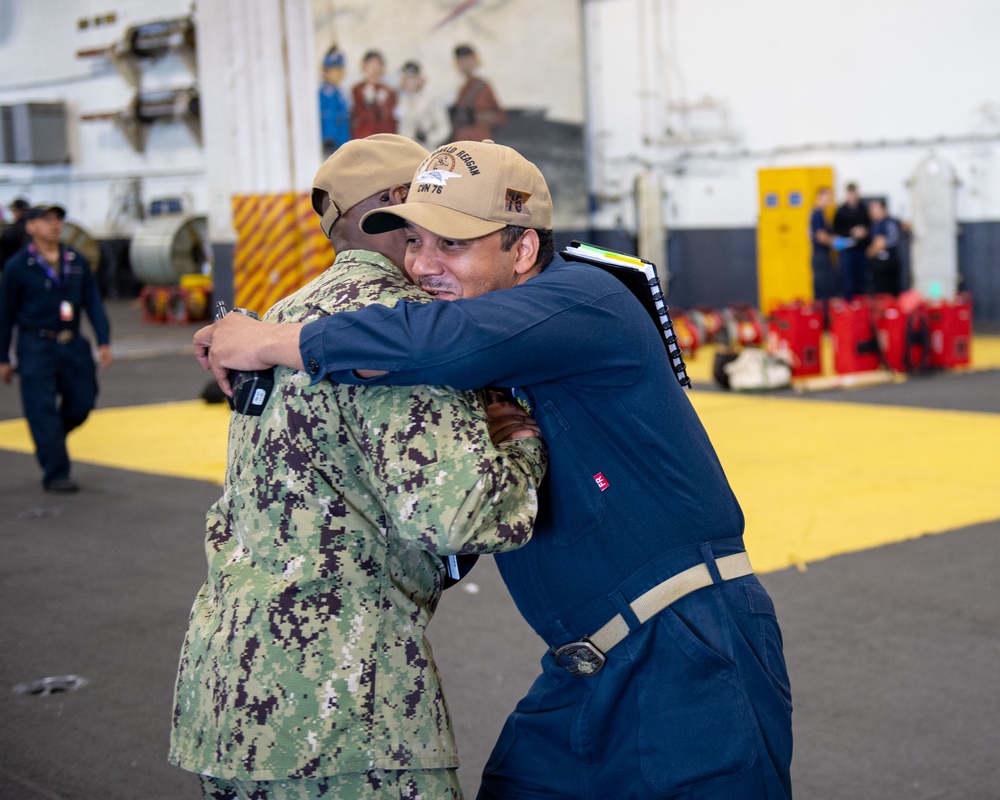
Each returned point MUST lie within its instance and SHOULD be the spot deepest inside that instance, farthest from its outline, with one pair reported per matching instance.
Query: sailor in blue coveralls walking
(46, 287)
(664, 675)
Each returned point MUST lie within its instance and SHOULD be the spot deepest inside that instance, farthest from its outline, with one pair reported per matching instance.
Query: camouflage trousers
(418, 784)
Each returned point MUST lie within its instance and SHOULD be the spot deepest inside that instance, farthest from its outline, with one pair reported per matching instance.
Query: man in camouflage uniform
(305, 671)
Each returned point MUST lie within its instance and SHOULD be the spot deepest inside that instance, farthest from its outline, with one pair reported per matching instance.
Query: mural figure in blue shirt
(334, 107)
(664, 673)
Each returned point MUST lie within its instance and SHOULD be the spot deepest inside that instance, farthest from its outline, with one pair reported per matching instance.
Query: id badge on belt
(65, 311)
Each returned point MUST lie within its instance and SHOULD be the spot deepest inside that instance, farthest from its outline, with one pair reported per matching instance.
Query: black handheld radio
(251, 389)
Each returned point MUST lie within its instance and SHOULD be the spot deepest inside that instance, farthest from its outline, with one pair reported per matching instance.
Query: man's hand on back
(508, 421)
(241, 342)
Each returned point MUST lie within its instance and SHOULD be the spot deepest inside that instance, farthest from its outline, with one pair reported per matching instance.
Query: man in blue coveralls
(664, 675)
(824, 272)
(46, 288)
(851, 224)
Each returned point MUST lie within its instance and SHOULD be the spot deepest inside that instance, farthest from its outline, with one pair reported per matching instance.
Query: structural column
(258, 84)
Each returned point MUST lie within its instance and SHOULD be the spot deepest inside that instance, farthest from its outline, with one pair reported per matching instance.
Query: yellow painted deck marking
(815, 479)
(181, 440)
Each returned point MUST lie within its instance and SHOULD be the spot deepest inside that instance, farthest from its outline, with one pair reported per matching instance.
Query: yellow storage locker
(786, 196)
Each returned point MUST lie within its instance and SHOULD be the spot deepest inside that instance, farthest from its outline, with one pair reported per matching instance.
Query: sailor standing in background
(851, 224)
(883, 252)
(14, 236)
(45, 289)
(824, 271)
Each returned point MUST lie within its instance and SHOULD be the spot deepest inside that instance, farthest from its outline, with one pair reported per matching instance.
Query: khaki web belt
(587, 656)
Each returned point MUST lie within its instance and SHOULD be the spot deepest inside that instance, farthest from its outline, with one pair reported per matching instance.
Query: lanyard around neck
(62, 263)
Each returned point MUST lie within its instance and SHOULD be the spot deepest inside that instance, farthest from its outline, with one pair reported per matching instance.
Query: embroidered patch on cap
(436, 177)
(441, 159)
(515, 202)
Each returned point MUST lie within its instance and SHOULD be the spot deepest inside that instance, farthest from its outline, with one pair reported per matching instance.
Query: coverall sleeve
(95, 307)
(513, 337)
(891, 233)
(440, 480)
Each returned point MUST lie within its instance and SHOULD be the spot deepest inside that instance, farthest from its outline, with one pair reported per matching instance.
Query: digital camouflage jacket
(305, 653)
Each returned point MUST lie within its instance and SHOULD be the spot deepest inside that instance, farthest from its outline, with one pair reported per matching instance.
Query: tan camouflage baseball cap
(465, 190)
(361, 167)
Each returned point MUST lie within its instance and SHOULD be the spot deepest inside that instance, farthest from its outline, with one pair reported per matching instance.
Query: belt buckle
(64, 337)
(580, 658)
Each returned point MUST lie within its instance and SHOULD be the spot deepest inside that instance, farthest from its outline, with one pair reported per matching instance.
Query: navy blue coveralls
(695, 702)
(54, 360)
(886, 267)
(824, 273)
(853, 264)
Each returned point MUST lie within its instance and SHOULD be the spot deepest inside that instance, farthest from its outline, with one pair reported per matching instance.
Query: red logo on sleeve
(602, 482)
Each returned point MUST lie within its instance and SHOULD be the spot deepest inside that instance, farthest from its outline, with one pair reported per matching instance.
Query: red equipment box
(797, 329)
(686, 332)
(154, 300)
(187, 305)
(902, 337)
(711, 323)
(855, 342)
(744, 324)
(950, 326)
